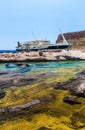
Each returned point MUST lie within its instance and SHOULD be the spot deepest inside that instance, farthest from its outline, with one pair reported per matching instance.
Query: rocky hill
(77, 38)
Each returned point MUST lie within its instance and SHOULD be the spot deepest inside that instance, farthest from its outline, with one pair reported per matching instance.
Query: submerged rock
(10, 65)
(31, 107)
(3, 73)
(44, 128)
(23, 81)
(24, 69)
(2, 94)
(22, 64)
(19, 64)
(72, 101)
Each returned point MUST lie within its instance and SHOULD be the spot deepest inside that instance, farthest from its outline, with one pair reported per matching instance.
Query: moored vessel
(43, 45)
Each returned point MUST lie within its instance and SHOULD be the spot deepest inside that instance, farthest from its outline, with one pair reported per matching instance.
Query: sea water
(44, 66)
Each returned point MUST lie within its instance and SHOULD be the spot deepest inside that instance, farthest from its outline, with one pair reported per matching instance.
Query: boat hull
(47, 48)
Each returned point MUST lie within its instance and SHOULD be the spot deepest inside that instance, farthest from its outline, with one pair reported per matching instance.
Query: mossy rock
(78, 118)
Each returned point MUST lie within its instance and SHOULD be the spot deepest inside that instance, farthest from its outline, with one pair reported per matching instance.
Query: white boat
(42, 45)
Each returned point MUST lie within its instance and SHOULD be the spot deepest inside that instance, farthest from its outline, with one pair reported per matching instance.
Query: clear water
(44, 66)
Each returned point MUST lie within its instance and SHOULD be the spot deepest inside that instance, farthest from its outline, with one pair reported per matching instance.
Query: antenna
(33, 36)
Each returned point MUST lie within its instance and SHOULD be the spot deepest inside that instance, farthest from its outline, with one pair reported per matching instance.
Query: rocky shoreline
(51, 55)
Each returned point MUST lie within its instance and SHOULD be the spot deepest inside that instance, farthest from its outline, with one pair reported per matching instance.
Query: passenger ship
(42, 45)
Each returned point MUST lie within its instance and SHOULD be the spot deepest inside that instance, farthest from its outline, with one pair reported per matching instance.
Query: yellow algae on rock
(53, 114)
(38, 120)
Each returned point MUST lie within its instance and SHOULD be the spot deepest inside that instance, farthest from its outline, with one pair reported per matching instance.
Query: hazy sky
(19, 18)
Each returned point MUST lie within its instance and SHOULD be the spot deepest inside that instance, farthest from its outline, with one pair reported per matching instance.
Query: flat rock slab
(76, 85)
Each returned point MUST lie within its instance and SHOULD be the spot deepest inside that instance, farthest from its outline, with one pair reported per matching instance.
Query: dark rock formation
(19, 64)
(27, 64)
(40, 53)
(44, 128)
(10, 65)
(2, 94)
(71, 58)
(3, 73)
(16, 80)
(14, 109)
(29, 107)
(76, 85)
(66, 57)
(23, 81)
(24, 69)
(70, 100)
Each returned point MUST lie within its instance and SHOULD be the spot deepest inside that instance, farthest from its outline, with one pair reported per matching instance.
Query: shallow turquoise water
(45, 66)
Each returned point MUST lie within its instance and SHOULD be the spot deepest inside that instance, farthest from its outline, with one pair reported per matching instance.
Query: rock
(71, 57)
(80, 90)
(10, 65)
(44, 128)
(3, 73)
(42, 55)
(62, 58)
(24, 69)
(19, 64)
(62, 86)
(76, 85)
(6, 84)
(46, 99)
(11, 111)
(17, 108)
(70, 100)
(23, 81)
(27, 64)
(67, 57)
(2, 94)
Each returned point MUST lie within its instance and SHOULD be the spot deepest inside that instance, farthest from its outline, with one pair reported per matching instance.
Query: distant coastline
(6, 51)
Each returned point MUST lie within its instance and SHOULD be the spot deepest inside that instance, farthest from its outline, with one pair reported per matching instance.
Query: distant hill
(77, 38)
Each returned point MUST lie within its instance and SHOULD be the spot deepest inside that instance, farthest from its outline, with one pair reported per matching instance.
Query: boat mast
(64, 40)
(33, 38)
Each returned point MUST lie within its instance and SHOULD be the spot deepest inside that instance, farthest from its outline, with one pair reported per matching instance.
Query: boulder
(80, 90)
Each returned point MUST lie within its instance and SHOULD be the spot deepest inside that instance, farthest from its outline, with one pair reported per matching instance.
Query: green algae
(55, 115)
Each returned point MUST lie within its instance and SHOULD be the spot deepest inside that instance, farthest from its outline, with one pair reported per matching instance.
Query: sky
(26, 20)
